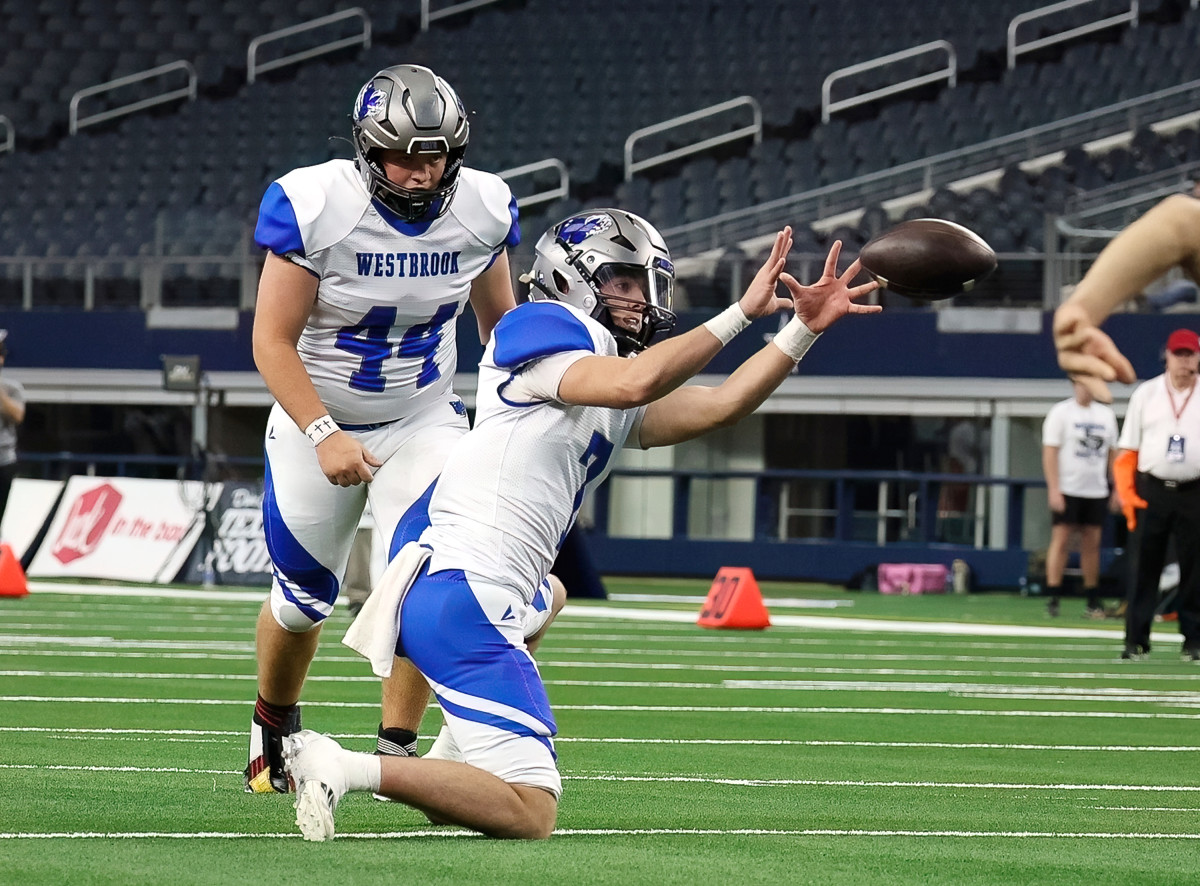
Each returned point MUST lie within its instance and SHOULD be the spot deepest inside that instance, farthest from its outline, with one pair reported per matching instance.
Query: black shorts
(1081, 512)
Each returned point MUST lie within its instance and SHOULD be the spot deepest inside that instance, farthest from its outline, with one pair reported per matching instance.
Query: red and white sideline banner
(123, 528)
(29, 504)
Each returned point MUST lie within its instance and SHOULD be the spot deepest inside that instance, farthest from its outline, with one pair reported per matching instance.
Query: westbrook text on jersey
(407, 264)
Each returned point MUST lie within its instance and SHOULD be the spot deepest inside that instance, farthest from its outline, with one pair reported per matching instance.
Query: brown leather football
(928, 258)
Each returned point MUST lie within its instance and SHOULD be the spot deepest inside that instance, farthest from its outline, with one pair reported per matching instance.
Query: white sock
(363, 771)
(444, 747)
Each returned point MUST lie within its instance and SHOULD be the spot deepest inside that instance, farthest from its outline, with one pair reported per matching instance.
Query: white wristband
(795, 339)
(727, 324)
(320, 429)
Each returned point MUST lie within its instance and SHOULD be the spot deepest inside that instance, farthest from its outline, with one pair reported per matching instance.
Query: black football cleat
(265, 773)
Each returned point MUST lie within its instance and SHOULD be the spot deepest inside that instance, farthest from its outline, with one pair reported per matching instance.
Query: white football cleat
(312, 761)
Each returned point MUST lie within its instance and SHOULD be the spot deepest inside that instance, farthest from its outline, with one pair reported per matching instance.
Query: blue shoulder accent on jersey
(514, 230)
(409, 229)
(277, 228)
(535, 330)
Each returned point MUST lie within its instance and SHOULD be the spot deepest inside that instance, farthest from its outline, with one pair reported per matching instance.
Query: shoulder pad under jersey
(538, 329)
(484, 204)
(311, 208)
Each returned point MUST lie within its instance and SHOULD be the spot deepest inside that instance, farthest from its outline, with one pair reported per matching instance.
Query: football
(928, 258)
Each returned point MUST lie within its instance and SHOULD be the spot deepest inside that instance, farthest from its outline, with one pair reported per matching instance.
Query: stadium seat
(245, 135)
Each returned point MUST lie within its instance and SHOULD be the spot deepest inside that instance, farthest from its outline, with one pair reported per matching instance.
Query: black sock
(1054, 591)
(283, 719)
(1093, 597)
(396, 742)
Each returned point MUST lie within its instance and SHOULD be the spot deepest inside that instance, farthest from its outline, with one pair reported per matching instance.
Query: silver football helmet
(612, 265)
(409, 108)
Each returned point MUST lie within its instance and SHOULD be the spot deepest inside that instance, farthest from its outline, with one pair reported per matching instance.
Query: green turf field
(861, 739)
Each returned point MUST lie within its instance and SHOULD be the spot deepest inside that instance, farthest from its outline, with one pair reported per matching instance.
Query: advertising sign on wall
(239, 547)
(29, 505)
(123, 528)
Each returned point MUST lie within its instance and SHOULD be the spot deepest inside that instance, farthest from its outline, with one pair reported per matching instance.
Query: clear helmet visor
(638, 300)
(633, 289)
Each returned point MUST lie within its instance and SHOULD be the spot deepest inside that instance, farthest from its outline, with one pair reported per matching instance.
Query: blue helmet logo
(370, 102)
(578, 228)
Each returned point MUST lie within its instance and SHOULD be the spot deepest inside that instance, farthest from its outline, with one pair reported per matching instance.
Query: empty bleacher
(543, 79)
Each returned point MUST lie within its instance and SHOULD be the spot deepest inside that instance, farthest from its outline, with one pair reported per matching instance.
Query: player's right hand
(1088, 355)
(345, 461)
(760, 299)
(1056, 501)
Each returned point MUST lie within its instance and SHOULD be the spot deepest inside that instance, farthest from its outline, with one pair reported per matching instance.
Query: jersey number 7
(595, 459)
(369, 340)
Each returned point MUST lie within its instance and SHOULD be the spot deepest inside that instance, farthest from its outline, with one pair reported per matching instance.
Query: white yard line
(613, 832)
(21, 649)
(665, 709)
(1017, 691)
(770, 602)
(239, 735)
(871, 625)
(699, 779)
(652, 615)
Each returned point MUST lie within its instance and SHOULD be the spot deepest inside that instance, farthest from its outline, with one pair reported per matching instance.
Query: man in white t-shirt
(1079, 438)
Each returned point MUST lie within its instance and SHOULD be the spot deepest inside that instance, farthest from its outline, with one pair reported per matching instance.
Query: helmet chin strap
(530, 280)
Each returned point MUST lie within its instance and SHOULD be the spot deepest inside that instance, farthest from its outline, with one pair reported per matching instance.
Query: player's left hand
(345, 461)
(760, 299)
(832, 297)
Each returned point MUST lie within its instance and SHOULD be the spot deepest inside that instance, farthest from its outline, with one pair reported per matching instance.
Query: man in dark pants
(12, 413)
(1160, 440)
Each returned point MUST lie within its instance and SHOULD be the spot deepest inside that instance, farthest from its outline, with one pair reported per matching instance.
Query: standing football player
(557, 395)
(369, 264)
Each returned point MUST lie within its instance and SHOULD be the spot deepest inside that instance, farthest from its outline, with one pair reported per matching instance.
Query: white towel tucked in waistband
(375, 631)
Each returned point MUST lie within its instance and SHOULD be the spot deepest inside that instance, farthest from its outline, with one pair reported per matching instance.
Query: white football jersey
(1084, 436)
(512, 486)
(380, 341)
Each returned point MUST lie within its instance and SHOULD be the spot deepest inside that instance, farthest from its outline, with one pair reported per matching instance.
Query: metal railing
(531, 170)
(9, 134)
(362, 38)
(143, 281)
(1129, 17)
(926, 517)
(1095, 217)
(949, 74)
(1104, 212)
(932, 172)
(431, 15)
(754, 129)
(189, 92)
(923, 518)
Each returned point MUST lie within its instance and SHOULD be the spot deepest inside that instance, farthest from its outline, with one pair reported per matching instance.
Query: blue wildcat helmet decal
(578, 228)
